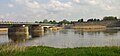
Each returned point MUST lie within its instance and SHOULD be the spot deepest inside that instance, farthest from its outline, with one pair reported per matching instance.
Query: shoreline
(3, 29)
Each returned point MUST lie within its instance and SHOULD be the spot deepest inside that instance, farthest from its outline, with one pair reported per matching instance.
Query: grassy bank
(48, 51)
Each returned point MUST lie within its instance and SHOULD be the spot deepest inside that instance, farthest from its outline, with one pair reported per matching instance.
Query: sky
(38, 10)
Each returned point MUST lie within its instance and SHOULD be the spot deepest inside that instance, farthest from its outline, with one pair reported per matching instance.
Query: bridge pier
(36, 30)
(20, 32)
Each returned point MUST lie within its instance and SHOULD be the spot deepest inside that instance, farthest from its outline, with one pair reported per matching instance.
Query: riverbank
(4, 29)
(49, 51)
(90, 27)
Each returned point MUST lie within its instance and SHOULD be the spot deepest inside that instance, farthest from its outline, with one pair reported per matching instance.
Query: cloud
(108, 7)
(1, 16)
(77, 1)
(52, 5)
(33, 5)
(57, 5)
(93, 2)
(86, 2)
(29, 3)
(70, 9)
(10, 5)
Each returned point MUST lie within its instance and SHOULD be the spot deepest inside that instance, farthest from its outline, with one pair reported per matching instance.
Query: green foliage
(36, 21)
(90, 20)
(45, 21)
(48, 51)
(98, 19)
(93, 20)
(80, 20)
(110, 18)
(53, 22)
(64, 22)
(40, 22)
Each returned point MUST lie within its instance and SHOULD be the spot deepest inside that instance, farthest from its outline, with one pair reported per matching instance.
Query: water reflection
(18, 38)
(69, 38)
(96, 31)
(111, 31)
(23, 38)
(64, 31)
(38, 34)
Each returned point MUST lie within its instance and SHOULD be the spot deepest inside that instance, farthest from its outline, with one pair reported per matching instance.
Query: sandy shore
(90, 27)
(3, 29)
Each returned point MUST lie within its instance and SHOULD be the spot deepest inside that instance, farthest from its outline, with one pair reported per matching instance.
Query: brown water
(68, 38)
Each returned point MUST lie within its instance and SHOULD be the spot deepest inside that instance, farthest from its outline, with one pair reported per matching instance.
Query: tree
(90, 20)
(80, 20)
(36, 21)
(64, 21)
(109, 18)
(40, 22)
(50, 21)
(53, 22)
(98, 19)
(93, 20)
(45, 21)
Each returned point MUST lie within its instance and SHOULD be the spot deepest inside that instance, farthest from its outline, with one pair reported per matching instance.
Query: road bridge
(23, 29)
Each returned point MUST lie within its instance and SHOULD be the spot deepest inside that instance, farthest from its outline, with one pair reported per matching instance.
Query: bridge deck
(24, 23)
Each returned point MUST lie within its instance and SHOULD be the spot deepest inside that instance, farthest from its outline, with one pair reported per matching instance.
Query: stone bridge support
(22, 32)
(36, 30)
(19, 32)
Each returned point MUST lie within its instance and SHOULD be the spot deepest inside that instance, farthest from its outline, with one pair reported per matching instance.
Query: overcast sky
(33, 10)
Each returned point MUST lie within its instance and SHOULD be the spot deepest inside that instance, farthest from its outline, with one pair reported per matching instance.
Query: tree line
(106, 18)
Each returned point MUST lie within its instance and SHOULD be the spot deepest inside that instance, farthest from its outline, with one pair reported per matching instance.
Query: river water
(68, 38)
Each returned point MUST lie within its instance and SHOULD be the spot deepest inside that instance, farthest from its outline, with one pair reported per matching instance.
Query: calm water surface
(68, 38)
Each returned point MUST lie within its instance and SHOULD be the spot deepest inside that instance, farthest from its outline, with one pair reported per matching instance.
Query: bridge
(24, 29)
(8, 24)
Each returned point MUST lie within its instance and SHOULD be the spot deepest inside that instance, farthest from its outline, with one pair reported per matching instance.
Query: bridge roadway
(9, 24)
(24, 23)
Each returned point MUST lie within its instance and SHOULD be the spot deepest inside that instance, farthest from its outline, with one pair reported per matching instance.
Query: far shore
(3, 29)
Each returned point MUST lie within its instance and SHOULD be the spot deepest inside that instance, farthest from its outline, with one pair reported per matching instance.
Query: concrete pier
(22, 32)
(18, 32)
(36, 30)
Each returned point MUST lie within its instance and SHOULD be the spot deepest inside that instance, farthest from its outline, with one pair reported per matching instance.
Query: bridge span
(24, 29)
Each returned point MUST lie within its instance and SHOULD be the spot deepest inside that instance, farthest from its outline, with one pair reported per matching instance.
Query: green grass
(48, 51)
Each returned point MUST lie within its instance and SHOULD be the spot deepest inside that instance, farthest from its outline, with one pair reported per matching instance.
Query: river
(68, 38)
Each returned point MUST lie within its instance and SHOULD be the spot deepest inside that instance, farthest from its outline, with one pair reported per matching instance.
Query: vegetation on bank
(65, 21)
(49, 51)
